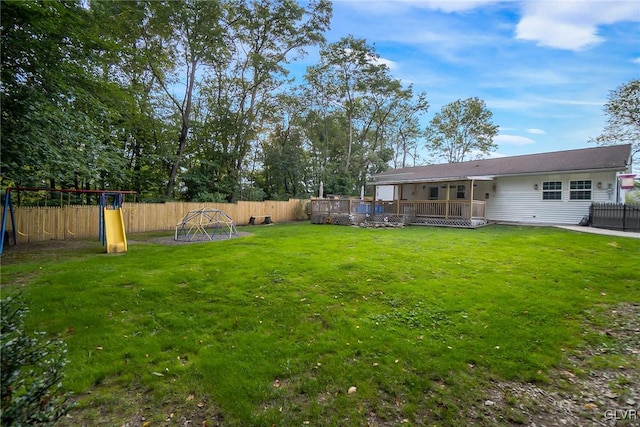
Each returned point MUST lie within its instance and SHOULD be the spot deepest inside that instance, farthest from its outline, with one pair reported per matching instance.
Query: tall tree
(57, 112)
(352, 84)
(284, 152)
(623, 116)
(264, 36)
(462, 130)
(340, 76)
(406, 131)
(193, 36)
(134, 52)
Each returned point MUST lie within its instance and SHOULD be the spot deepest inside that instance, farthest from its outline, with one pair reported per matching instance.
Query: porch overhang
(397, 180)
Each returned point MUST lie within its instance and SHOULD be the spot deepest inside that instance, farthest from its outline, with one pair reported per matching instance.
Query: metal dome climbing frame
(205, 224)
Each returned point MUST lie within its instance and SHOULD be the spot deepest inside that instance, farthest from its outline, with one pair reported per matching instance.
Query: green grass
(274, 328)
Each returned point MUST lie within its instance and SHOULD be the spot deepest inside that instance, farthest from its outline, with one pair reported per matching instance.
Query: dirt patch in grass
(596, 385)
(169, 240)
(48, 246)
(45, 247)
(190, 411)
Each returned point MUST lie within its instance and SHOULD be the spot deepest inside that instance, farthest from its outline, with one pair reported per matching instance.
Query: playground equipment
(112, 232)
(205, 224)
(111, 227)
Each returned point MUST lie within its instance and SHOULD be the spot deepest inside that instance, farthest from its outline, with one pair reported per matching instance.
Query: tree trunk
(185, 112)
(349, 119)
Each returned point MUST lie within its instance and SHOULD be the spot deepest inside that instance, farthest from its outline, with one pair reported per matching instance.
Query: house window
(580, 190)
(552, 190)
(460, 192)
(433, 193)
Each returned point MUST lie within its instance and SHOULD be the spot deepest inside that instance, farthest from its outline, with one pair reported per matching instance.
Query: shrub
(32, 370)
(301, 209)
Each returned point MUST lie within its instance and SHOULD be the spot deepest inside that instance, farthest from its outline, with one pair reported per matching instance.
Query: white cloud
(535, 131)
(377, 60)
(636, 60)
(513, 140)
(573, 102)
(383, 61)
(572, 24)
(451, 5)
(511, 104)
(385, 7)
(495, 155)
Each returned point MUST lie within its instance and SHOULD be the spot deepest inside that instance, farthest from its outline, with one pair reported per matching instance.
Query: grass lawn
(301, 324)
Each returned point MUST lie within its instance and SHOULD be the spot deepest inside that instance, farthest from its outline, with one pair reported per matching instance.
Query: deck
(349, 211)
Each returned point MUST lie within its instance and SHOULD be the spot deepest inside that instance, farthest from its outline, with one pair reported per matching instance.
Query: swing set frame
(116, 202)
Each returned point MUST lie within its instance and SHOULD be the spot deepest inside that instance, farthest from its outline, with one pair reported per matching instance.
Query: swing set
(111, 226)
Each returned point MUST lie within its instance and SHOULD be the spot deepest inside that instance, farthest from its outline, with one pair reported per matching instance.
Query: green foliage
(623, 116)
(462, 130)
(301, 210)
(632, 196)
(358, 110)
(32, 370)
(58, 114)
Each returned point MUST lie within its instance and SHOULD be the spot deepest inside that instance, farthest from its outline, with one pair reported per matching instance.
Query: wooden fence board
(80, 222)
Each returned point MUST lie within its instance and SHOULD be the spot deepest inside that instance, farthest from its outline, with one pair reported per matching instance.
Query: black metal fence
(613, 216)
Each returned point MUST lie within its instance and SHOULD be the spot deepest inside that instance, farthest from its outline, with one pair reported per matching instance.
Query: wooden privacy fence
(613, 216)
(80, 222)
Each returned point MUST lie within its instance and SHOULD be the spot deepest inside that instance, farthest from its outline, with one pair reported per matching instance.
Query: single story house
(547, 188)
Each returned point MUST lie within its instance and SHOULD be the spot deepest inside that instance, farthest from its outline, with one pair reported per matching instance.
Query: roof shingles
(613, 157)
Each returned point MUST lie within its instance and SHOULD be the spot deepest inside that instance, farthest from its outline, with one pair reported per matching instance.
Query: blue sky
(544, 68)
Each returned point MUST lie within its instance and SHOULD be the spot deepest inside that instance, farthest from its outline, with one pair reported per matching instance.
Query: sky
(544, 68)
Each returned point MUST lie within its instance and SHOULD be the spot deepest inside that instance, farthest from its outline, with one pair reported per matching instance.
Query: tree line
(194, 100)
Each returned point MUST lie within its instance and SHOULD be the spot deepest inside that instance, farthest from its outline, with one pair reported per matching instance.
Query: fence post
(624, 217)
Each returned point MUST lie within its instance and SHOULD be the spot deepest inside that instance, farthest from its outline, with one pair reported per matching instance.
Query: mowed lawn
(300, 324)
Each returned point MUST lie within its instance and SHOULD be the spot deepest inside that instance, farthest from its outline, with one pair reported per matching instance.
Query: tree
(284, 158)
(193, 36)
(340, 77)
(57, 111)
(238, 96)
(406, 131)
(137, 49)
(355, 90)
(461, 130)
(623, 116)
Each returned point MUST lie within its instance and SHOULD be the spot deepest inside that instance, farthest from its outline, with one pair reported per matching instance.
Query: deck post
(471, 201)
(446, 212)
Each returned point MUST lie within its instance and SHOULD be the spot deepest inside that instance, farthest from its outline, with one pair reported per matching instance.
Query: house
(551, 188)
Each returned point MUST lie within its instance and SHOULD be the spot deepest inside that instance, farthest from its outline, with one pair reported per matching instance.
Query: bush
(32, 371)
(301, 210)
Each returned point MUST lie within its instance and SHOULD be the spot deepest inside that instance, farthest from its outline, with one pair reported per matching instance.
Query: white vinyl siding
(520, 199)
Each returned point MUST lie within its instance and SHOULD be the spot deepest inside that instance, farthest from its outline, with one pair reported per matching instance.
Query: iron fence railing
(614, 216)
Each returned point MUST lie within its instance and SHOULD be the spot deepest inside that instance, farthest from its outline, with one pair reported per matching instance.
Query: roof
(612, 157)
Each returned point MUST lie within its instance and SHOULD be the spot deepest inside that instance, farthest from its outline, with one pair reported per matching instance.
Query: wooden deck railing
(454, 209)
(443, 208)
